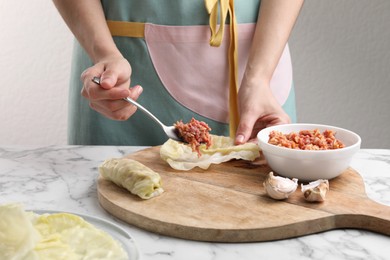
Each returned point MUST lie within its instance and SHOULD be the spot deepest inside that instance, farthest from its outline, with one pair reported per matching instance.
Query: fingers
(109, 79)
(258, 109)
(111, 87)
(117, 109)
(277, 119)
(94, 92)
(244, 129)
(249, 125)
(251, 122)
(107, 97)
(114, 109)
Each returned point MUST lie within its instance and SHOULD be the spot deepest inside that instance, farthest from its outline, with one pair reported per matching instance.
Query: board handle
(366, 214)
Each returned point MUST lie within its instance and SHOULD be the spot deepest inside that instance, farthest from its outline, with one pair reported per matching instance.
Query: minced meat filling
(306, 140)
(194, 133)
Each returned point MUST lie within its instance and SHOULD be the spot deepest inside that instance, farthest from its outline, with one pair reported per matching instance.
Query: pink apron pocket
(196, 74)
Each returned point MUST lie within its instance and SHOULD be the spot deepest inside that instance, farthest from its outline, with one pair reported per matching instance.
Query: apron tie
(226, 7)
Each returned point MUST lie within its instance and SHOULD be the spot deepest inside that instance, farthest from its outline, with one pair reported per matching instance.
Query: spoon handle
(130, 100)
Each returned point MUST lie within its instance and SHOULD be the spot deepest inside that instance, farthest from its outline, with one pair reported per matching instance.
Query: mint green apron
(182, 76)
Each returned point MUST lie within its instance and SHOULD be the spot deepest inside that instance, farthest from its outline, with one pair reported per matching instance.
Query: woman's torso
(175, 88)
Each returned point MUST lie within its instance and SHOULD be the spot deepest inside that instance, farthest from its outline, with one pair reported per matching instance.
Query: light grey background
(340, 52)
(341, 60)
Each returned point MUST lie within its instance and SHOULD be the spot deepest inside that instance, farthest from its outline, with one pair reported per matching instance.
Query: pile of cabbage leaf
(25, 235)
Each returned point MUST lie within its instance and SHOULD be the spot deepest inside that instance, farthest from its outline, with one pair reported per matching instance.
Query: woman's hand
(258, 109)
(106, 98)
(87, 22)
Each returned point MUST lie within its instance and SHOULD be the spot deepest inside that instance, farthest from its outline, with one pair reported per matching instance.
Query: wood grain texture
(227, 203)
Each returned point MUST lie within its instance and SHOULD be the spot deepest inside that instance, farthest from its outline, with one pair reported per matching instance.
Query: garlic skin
(279, 188)
(315, 191)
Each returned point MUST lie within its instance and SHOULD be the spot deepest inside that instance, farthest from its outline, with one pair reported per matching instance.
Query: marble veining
(63, 178)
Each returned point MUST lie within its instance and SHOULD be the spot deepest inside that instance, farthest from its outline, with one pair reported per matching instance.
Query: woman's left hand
(258, 109)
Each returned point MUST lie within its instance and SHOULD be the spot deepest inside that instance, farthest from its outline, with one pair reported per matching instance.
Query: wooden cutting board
(227, 203)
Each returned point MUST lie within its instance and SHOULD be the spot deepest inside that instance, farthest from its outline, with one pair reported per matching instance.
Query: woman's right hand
(106, 98)
(87, 22)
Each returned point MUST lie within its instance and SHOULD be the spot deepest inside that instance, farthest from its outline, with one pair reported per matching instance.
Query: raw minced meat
(194, 133)
(306, 140)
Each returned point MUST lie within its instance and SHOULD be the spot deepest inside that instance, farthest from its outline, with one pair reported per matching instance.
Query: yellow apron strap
(227, 7)
(126, 29)
(212, 8)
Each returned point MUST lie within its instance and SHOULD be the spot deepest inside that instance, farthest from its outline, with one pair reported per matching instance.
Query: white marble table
(63, 178)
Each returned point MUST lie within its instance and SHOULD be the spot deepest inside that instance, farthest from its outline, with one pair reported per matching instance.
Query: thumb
(108, 79)
(244, 129)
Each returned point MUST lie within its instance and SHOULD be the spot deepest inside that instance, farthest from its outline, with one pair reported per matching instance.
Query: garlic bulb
(315, 190)
(279, 188)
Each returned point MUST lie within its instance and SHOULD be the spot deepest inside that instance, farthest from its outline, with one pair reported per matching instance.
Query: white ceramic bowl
(308, 165)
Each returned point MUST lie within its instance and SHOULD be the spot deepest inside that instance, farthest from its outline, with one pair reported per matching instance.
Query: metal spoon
(170, 131)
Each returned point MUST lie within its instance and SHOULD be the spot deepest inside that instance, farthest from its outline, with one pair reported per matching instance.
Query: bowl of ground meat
(308, 152)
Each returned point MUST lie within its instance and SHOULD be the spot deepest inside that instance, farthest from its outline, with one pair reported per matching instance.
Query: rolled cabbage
(133, 176)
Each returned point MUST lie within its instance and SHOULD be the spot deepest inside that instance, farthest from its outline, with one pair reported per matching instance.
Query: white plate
(118, 233)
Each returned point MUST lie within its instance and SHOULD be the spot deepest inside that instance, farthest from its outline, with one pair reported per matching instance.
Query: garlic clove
(279, 188)
(315, 190)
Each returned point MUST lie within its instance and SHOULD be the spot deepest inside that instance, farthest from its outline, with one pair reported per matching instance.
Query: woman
(164, 46)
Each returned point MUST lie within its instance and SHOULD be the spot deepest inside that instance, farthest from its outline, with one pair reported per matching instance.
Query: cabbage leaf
(25, 235)
(180, 156)
(17, 234)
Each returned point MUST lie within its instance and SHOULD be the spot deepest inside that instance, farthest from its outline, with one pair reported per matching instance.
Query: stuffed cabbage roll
(180, 156)
(133, 176)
